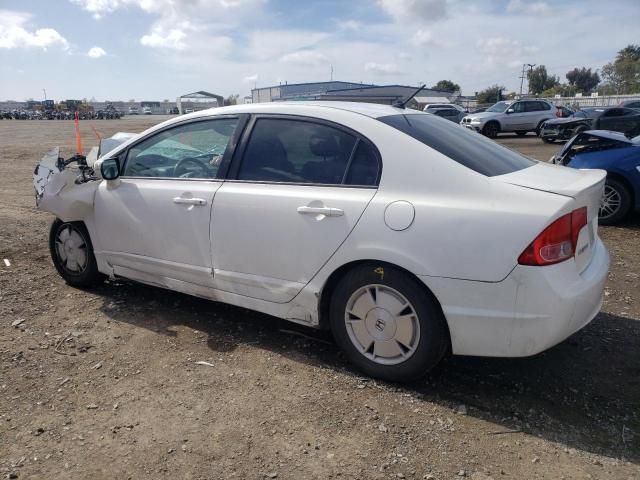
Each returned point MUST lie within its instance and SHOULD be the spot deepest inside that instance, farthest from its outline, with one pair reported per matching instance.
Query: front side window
(297, 151)
(461, 145)
(193, 150)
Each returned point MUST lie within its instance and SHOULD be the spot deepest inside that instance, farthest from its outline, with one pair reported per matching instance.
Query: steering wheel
(180, 168)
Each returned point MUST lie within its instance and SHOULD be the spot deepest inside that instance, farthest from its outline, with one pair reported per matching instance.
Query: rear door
(294, 192)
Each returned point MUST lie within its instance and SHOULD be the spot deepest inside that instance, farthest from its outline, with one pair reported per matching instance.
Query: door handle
(189, 201)
(327, 211)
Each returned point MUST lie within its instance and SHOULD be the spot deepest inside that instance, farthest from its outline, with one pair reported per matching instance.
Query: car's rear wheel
(615, 203)
(72, 254)
(491, 130)
(387, 324)
(521, 133)
(547, 140)
(539, 127)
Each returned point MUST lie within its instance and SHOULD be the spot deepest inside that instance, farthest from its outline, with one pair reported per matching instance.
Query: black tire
(521, 133)
(579, 129)
(491, 129)
(87, 274)
(618, 188)
(539, 127)
(431, 340)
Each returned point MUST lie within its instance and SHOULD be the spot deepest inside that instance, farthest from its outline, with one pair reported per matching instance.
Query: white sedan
(405, 235)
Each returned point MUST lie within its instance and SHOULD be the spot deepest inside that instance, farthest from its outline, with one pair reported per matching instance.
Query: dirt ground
(104, 383)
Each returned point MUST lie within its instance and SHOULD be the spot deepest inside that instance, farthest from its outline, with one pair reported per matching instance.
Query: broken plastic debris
(202, 362)
(7, 262)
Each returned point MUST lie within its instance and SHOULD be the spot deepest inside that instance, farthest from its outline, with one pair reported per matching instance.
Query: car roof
(372, 110)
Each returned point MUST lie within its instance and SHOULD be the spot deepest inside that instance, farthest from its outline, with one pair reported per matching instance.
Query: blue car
(620, 157)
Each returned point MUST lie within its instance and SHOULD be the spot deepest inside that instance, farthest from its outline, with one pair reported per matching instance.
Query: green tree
(232, 99)
(491, 94)
(539, 80)
(583, 79)
(622, 76)
(446, 86)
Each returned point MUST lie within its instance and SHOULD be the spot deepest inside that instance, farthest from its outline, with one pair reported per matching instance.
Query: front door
(154, 221)
(516, 120)
(297, 190)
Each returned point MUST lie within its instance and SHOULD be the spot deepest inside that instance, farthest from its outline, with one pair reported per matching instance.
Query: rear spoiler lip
(583, 179)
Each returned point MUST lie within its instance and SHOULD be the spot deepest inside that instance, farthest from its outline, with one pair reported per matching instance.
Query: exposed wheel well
(334, 278)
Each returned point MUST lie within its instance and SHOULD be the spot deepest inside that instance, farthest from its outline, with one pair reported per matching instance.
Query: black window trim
(226, 157)
(238, 155)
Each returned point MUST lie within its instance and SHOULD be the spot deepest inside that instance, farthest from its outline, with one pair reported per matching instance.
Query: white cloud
(13, 33)
(415, 10)
(304, 58)
(528, 8)
(424, 38)
(250, 78)
(505, 49)
(173, 39)
(381, 68)
(96, 52)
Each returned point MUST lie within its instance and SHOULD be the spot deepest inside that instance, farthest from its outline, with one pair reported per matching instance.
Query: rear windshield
(461, 145)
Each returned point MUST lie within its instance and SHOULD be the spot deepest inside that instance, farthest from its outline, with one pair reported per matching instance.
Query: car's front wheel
(615, 203)
(387, 324)
(72, 254)
(491, 130)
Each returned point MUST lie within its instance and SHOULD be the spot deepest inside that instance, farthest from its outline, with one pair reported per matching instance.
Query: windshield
(579, 115)
(498, 107)
(461, 145)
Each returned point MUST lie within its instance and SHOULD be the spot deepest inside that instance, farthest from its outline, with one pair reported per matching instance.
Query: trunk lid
(585, 187)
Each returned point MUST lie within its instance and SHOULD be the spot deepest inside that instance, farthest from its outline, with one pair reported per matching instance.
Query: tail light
(557, 242)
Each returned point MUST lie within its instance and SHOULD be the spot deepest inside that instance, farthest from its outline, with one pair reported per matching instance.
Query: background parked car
(453, 114)
(626, 120)
(133, 110)
(630, 104)
(620, 157)
(564, 112)
(519, 116)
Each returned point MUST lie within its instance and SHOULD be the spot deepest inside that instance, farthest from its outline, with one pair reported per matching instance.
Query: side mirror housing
(110, 168)
(510, 110)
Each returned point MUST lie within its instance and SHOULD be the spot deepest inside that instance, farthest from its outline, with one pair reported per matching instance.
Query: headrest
(324, 145)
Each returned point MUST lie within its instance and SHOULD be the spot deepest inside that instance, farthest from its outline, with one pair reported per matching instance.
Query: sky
(160, 49)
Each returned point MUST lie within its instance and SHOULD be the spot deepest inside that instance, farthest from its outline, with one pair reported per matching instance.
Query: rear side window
(298, 151)
(461, 145)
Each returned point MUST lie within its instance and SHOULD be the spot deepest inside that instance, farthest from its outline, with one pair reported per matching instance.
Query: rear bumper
(531, 310)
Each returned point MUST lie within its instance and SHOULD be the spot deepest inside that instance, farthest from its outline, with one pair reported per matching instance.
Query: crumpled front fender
(64, 190)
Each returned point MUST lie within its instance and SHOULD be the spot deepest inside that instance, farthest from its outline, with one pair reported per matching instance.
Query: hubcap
(382, 324)
(610, 202)
(71, 250)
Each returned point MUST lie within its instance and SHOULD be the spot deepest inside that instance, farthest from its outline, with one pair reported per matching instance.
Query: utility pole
(524, 66)
(45, 93)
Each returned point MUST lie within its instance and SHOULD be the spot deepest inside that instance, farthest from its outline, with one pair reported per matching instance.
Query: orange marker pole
(78, 139)
(97, 133)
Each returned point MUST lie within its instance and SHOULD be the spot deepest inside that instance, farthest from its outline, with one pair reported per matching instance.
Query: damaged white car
(405, 235)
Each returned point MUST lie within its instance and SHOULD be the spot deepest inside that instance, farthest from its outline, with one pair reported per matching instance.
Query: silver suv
(520, 116)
